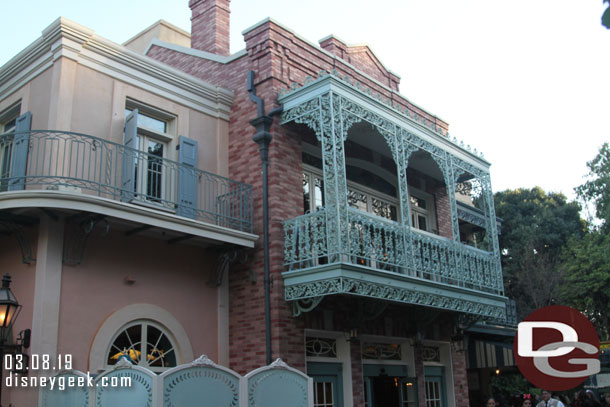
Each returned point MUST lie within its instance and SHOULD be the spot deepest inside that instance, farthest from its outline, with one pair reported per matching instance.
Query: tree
(606, 16)
(535, 228)
(596, 191)
(586, 286)
(587, 260)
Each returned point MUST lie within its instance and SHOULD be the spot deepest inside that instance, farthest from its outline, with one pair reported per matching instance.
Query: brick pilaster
(355, 348)
(460, 378)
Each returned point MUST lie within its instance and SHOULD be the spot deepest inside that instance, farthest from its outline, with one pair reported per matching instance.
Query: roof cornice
(67, 39)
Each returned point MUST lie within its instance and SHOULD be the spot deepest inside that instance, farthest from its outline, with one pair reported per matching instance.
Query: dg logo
(556, 348)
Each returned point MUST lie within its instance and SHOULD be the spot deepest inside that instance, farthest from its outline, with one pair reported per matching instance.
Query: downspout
(262, 124)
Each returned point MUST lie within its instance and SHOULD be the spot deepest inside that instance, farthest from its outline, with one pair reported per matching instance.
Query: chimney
(210, 25)
(335, 46)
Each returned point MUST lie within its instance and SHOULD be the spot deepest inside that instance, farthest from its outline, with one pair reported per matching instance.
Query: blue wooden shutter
(128, 171)
(187, 177)
(21, 146)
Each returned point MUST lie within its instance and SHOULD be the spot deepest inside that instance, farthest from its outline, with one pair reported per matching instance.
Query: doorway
(389, 386)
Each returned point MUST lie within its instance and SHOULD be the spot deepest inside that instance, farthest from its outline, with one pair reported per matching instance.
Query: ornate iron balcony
(395, 258)
(79, 163)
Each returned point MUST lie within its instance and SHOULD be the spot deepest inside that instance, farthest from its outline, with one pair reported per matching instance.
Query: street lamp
(9, 309)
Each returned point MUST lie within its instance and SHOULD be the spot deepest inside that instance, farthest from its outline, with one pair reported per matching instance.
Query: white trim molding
(67, 39)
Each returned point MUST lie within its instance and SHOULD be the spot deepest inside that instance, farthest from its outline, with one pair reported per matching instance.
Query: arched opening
(472, 208)
(370, 173)
(429, 204)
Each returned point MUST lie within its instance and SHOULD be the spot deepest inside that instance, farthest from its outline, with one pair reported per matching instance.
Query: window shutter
(128, 169)
(21, 146)
(187, 177)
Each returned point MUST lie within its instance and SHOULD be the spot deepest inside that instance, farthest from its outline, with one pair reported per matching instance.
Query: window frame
(7, 116)
(313, 172)
(429, 213)
(144, 135)
(144, 323)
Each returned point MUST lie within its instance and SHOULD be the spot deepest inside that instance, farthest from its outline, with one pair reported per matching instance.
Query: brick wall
(357, 374)
(279, 58)
(363, 59)
(460, 378)
(443, 211)
(419, 373)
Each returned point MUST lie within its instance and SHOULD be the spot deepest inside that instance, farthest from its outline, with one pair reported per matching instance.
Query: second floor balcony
(37, 166)
(394, 209)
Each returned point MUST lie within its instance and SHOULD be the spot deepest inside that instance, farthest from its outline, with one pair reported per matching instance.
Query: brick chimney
(335, 46)
(210, 25)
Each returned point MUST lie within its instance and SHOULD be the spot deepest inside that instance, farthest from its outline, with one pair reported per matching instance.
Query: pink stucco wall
(22, 275)
(172, 277)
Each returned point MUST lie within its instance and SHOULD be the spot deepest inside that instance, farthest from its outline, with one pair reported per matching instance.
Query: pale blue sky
(526, 82)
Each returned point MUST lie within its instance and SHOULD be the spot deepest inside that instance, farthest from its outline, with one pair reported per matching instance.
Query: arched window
(138, 327)
(143, 343)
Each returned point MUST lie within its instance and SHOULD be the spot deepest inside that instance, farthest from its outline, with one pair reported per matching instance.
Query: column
(47, 288)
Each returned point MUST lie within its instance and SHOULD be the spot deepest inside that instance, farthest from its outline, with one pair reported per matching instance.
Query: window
(422, 211)
(143, 343)
(8, 120)
(313, 191)
(327, 384)
(154, 133)
(433, 392)
(369, 193)
(434, 384)
(358, 196)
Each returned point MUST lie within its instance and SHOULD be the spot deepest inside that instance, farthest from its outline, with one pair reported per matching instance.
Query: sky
(525, 82)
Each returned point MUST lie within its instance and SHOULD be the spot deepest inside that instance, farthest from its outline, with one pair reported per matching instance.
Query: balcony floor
(127, 216)
(342, 278)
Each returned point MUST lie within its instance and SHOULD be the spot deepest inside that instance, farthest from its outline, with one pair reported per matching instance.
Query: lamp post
(9, 310)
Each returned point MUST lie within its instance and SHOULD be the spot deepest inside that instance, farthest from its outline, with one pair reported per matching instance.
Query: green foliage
(508, 385)
(535, 228)
(596, 191)
(587, 279)
(587, 260)
(606, 16)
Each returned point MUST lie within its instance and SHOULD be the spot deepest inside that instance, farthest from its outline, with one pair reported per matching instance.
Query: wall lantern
(9, 309)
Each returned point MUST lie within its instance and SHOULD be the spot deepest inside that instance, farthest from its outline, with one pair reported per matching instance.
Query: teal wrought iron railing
(76, 162)
(381, 244)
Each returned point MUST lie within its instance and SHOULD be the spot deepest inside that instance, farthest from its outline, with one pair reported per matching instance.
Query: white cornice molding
(159, 23)
(65, 38)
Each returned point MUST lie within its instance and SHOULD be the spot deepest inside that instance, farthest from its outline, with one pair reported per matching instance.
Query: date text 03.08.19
(35, 362)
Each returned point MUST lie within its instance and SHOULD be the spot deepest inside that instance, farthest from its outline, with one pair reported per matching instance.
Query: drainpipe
(262, 124)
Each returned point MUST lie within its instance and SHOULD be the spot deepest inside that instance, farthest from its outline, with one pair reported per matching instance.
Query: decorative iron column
(332, 134)
(492, 229)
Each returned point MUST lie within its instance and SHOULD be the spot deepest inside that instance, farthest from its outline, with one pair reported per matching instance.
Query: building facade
(383, 236)
(137, 211)
(116, 214)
